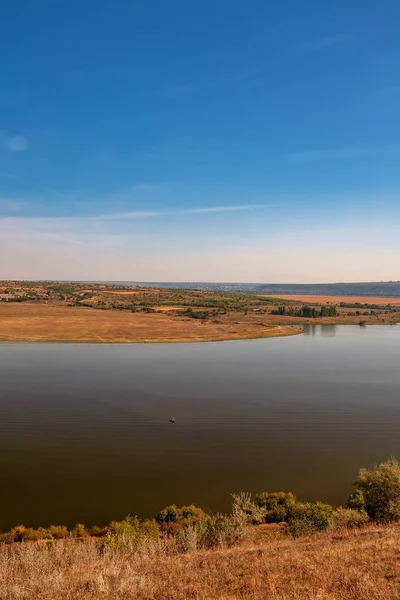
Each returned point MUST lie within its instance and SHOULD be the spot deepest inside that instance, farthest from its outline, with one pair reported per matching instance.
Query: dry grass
(57, 322)
(149, 291)
(360, 565)
(168, 308)
(379, 300)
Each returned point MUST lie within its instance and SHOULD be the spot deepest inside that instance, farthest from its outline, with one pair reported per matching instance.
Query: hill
(389, 289)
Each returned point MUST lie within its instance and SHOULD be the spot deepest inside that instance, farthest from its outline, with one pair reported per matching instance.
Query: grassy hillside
(274, 547)
(350, 565)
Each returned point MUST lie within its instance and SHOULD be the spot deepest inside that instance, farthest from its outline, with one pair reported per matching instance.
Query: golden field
(41, 322)
(359, 564)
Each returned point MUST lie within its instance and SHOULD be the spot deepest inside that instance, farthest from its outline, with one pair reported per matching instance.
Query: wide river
(85, 433)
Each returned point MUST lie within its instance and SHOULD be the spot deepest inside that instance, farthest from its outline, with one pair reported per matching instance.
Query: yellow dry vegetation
(57, 322)
(353, 565)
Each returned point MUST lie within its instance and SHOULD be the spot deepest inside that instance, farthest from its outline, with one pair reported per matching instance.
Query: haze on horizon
(216, 142)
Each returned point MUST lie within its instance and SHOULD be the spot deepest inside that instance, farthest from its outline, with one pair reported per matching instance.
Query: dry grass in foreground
(355, 565)
(61, 323)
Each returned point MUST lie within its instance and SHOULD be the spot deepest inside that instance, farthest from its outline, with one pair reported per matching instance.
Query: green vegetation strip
(376, 499)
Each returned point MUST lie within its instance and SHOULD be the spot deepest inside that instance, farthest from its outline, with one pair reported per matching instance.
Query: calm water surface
(85, 433)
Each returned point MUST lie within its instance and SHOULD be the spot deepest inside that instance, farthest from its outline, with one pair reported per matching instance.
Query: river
(85, 431)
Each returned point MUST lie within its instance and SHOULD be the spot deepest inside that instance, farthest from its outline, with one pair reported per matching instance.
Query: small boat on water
(172, 420)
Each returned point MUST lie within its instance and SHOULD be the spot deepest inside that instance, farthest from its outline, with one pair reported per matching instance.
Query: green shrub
(381, 490)
(307, 518)
(179, 516)
(356, 501)
(347, 518)
(278, 506)
(131, 534)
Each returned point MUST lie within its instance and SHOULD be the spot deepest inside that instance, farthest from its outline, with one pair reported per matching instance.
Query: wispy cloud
(12, 206)
(138, 214)
(14, 143)
(10, 176)
(328, 41)
(221, 209)
(237, 81)
(18, 143)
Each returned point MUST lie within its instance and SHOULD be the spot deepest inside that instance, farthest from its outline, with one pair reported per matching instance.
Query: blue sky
(225, 141)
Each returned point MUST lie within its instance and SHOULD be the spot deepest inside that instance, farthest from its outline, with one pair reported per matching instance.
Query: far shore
(27, 322)
(79, 313)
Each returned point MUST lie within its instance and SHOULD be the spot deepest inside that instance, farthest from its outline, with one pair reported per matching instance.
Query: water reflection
(323, 330)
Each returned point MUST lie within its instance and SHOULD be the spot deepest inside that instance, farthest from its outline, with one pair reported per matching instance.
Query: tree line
(309, 312)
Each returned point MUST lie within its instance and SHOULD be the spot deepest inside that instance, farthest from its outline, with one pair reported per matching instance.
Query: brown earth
(350, 565)
(57, 322)
(337, 299)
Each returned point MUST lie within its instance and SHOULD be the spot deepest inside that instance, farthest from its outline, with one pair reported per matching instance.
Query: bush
(278, 506)
(56, 532)
(381, 490)
(244, 507)
(356, 501)
(307, 518)
(22, 534)
(179, 516)
(131, 534)
(96, 531)
(347, 518)
(79, 531)
(220, 531)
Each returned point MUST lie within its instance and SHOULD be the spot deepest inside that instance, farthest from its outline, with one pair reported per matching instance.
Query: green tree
(381, 489)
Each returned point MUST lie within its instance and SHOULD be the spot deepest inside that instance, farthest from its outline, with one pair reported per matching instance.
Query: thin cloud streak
(134, 214)
(220, 209)
(327, 41)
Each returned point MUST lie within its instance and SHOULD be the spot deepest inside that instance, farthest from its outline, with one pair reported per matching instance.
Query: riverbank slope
(347, 565)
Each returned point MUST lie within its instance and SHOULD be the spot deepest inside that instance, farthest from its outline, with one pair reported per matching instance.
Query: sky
(219, 140)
